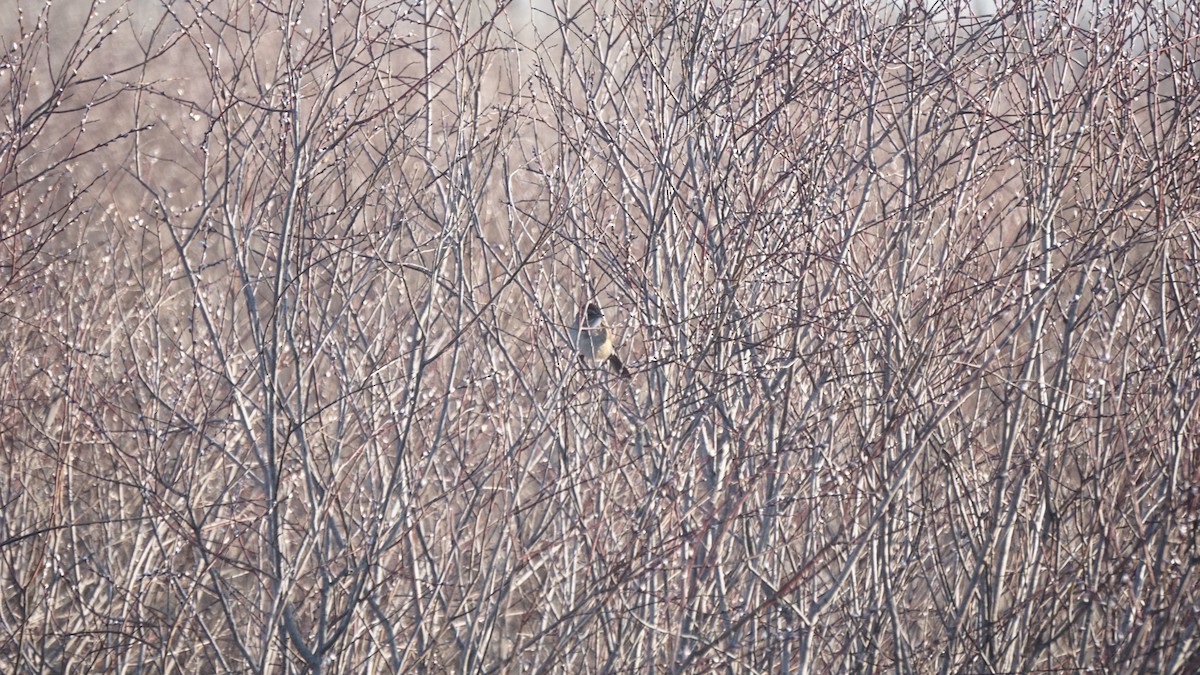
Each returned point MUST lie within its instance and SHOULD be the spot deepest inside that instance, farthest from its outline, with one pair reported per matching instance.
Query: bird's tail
(618, 367)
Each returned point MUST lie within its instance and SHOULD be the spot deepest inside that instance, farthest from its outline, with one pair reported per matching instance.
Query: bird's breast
(593, 344)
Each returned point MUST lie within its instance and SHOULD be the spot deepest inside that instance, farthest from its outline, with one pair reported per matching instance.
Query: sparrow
(594, 342)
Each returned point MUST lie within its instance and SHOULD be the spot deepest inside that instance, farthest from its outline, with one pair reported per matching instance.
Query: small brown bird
(593, 340)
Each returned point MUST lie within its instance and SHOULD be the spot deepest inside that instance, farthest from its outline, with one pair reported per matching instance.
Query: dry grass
(910, 300)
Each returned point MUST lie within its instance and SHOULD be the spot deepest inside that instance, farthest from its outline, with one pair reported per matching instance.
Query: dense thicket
(910, 298)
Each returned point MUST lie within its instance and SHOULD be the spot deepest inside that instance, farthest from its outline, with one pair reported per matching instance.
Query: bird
(594, 341)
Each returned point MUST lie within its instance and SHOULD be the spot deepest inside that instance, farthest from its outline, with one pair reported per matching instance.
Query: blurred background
(909, 294)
